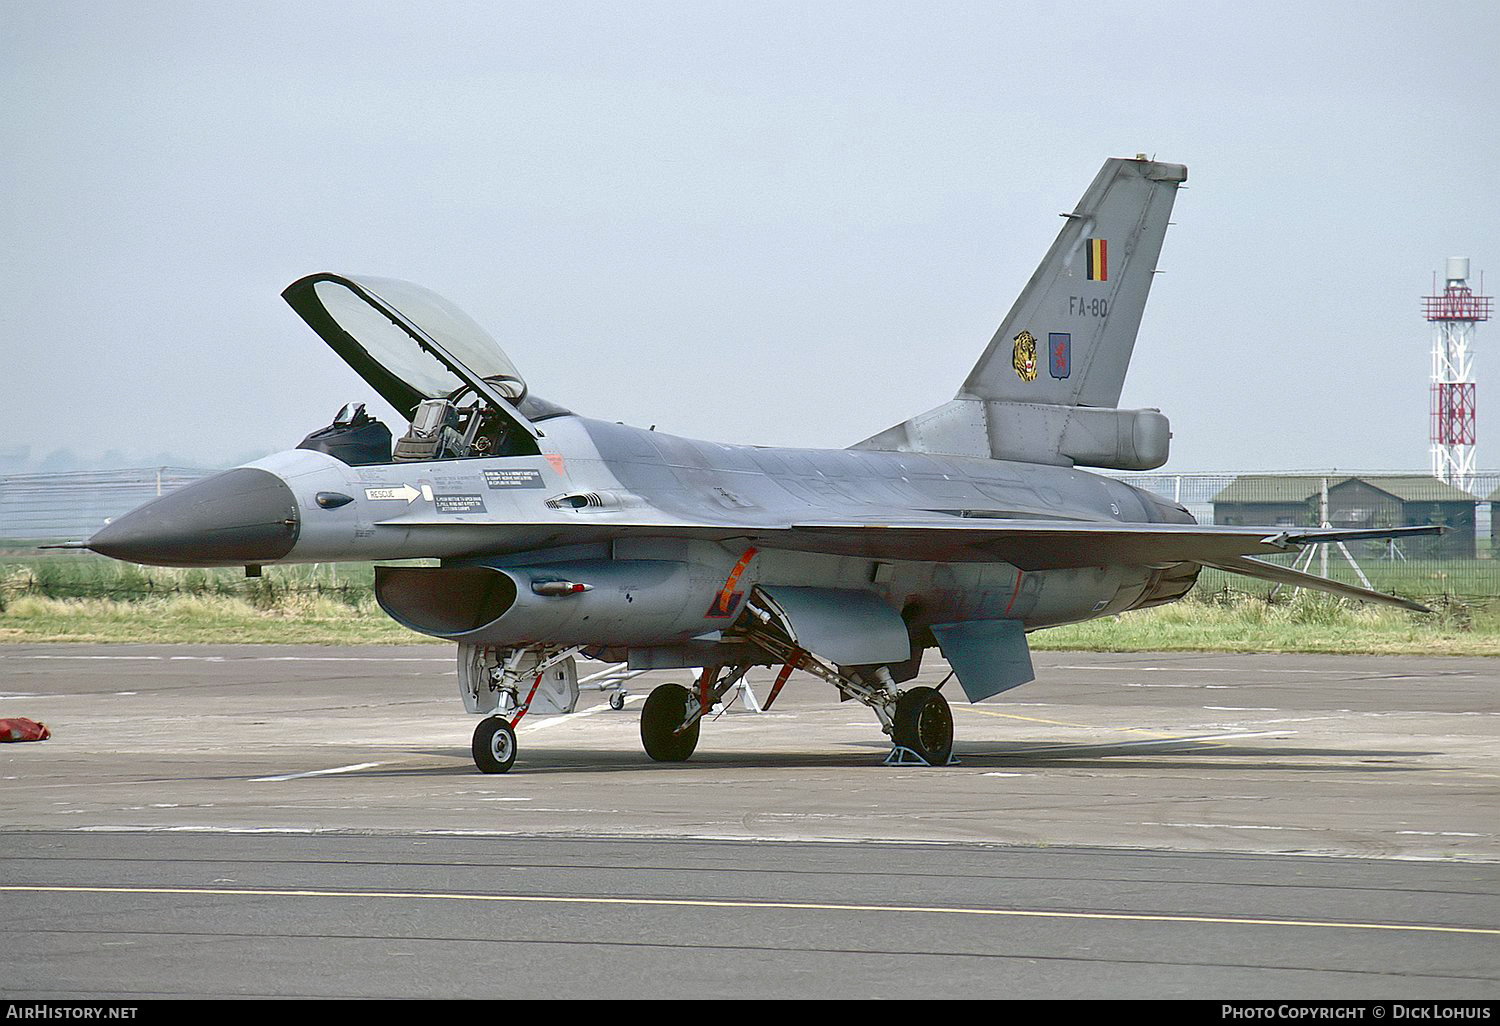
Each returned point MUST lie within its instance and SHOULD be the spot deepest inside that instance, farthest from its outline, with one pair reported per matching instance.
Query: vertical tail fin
(1083, 305)
(1046, 388)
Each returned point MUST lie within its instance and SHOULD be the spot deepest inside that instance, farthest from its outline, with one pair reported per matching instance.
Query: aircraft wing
(1024, 543)
(1044, 545)
(1056, 544)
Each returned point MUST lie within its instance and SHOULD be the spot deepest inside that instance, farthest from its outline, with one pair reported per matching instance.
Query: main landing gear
(922, 727)
(673, 715)
(918, 720)
(670, 721)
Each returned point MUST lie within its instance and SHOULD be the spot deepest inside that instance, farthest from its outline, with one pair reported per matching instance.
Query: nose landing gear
(494, 745)
(493, 685)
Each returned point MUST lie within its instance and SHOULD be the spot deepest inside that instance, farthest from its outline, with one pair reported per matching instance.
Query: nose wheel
(494, 745)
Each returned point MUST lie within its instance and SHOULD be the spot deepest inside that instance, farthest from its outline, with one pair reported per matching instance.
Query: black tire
(924, 723)
(617, 700)
(663, 713)
(494, 745)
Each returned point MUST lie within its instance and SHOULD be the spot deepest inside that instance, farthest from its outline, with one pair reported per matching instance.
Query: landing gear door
(483, 690)
(987, 656)
(558, 692)
(409, 343)
(849, 628)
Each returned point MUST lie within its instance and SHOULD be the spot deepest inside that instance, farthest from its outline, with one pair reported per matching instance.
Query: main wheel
(665, 709)
(924, 723)
(494, 745)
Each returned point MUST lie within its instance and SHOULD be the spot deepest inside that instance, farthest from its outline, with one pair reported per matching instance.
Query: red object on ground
(20, 729)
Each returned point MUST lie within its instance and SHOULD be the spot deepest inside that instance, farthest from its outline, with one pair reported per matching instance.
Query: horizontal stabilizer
(1285, 575)
(1337, 535)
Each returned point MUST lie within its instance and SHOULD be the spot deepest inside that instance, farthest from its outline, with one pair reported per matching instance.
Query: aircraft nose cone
(240, 516)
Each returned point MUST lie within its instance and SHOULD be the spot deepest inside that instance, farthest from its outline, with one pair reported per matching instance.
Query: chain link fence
(1458, 563)
(39, 508)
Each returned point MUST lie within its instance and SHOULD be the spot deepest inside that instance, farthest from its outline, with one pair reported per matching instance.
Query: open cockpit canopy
(429, 360)
(409, 343)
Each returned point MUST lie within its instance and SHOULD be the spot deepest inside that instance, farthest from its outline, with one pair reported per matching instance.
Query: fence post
(1323, 521)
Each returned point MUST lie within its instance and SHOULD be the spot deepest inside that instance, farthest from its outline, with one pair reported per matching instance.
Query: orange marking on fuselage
(733, 578)
(1013, 593)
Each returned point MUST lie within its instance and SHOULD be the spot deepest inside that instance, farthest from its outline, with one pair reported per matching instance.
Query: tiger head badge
(1023, 356)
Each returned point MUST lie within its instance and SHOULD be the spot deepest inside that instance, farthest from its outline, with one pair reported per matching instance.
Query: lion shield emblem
(1023, 356)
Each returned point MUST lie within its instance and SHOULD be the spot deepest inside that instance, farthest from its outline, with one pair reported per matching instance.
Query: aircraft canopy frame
(408, 343)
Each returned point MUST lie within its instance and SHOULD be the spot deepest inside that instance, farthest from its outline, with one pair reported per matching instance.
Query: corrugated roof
(1280, 488)
(1290, 488)
(1417, 488)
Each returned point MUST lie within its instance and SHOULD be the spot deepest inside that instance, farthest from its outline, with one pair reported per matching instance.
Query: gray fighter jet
(963, 528)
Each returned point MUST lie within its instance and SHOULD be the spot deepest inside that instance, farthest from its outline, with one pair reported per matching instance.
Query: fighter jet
(557, 536)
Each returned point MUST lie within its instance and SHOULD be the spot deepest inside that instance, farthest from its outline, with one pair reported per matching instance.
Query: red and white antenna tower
(1453, 314)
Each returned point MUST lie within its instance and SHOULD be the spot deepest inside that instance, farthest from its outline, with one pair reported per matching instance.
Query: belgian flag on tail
(1098, 250)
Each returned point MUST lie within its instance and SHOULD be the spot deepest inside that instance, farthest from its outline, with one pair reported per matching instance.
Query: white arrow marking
(406, 492)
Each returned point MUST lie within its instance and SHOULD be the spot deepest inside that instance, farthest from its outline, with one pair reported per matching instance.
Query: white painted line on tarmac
(1438, 833)
(319, 773)
(535, 725)
(745, 838)
(1205, 687)
(1227, 826)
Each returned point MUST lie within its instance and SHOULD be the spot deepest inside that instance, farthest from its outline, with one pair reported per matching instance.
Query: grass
(84, 599)
(88, 599)
(89, 576)
(1306, 622)
(201, 619)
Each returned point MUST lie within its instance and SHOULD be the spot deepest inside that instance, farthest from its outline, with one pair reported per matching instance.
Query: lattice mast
(1453, 313)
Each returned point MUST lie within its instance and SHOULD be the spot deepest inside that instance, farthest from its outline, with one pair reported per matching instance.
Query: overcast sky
(789, 224)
